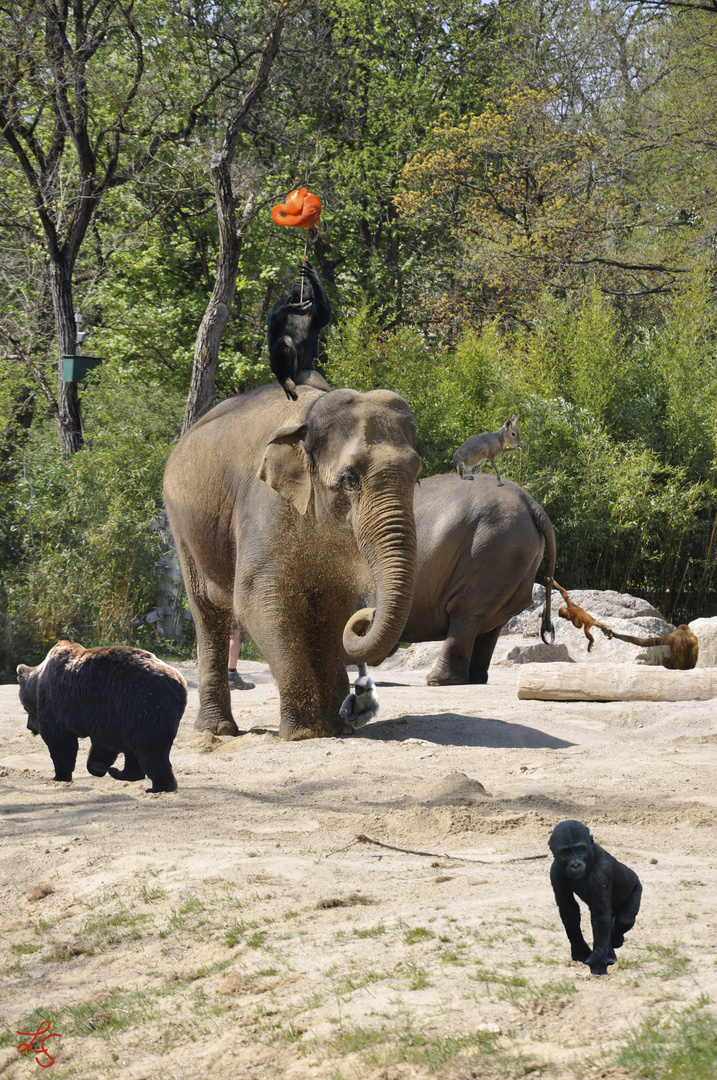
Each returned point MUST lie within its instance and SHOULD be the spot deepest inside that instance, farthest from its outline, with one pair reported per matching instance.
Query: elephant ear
(285, 465)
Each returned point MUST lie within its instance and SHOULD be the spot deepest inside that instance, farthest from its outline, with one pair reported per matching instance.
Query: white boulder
(706, 632)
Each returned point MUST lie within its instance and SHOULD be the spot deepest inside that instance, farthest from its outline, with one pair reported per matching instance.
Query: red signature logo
(44, 1027)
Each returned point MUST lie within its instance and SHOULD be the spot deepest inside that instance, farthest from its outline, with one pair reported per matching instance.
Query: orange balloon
(300, 209)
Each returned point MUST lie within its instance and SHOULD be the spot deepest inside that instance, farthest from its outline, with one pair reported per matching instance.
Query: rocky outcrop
(706, 632)
(520, 641)
(539, 653)
(623, 612)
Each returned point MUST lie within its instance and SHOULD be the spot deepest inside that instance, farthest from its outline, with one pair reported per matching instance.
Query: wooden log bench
(614, 682)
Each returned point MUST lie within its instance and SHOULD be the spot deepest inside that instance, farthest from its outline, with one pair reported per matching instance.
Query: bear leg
(99, 759)
(159, 770)
(132, 769)
(63, 751)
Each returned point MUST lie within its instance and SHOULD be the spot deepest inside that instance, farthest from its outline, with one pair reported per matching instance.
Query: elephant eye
(350, 480)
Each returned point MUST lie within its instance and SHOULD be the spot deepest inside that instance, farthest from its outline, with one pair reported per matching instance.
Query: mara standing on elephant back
(479, 547)
(278, 508)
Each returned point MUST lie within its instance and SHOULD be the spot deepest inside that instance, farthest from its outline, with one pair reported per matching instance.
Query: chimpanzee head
(572, 848)
(296, 295)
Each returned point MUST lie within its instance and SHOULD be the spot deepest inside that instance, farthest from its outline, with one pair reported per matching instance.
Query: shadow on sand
(454, 729)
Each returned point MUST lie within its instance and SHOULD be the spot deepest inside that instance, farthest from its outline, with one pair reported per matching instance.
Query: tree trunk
(69, 419)
(614, 682)
(206, 349)
(209, 335)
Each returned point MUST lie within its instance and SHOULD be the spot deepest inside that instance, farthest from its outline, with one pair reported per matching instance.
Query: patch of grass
(190, 916)
(382, 1046)
(256, 941)
(116, 1011)
(120, 924)
(355, 1040)
(23, 950)
(369, 932)
(492, 975)
(349, 983)
(292, 1034)
(455, 956)
(417, 976)
(672, 962)
(150, 893)
(418, 933)
(234, 934)
(685, 1048)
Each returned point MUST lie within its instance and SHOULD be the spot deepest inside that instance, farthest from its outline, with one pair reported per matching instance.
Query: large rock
(538, 653)
(622, 612)
(706, 633)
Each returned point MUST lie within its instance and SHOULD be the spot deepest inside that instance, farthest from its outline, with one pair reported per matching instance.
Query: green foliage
(618, 431)
(80, 528)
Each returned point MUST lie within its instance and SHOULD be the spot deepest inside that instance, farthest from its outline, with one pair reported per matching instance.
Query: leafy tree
(90, 98)
(536, 202)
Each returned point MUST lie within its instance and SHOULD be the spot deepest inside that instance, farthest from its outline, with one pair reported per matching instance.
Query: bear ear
(285, 466)
(23, 671)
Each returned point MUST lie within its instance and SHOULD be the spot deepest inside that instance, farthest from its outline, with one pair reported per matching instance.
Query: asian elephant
(279, 509)
(479, 547)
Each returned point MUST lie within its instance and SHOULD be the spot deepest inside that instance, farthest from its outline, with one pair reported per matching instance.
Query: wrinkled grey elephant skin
(479, 547)
(279, 509)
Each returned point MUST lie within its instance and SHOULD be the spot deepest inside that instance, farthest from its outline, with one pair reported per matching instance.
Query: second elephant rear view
(479, 548)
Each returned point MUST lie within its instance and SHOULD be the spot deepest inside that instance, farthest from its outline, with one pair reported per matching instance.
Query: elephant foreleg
(310, 701)
(483, 649)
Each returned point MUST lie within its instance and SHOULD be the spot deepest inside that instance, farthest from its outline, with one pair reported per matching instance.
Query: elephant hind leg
(213, 626)
(452, 666)
(483, 649)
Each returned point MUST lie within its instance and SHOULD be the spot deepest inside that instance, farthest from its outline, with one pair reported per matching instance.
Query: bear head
(27, 677)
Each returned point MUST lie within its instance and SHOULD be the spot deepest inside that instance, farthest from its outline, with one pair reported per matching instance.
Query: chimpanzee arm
(276, 322)
(569, 913)
(322, 307)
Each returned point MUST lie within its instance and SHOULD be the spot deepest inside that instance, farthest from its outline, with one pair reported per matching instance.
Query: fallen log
(614, 682)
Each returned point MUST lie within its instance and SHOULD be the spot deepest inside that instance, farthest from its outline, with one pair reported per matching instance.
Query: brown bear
(125, 700)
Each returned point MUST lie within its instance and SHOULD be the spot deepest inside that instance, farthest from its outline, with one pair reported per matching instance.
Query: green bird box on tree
(75, 368)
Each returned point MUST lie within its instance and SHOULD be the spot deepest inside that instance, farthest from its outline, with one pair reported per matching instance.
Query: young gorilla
(684, 647)
(126, 700)
(611, 890)
(579, 618)
(293, 327)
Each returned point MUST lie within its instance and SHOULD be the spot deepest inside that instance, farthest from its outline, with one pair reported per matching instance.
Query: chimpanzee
(293, 327)
(611, 890)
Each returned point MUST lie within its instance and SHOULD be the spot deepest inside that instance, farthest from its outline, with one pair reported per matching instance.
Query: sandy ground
(236, 928)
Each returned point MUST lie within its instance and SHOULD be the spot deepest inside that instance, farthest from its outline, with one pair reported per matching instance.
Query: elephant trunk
(387, 540)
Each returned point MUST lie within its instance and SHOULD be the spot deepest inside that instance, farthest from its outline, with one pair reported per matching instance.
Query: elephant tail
(545, 527)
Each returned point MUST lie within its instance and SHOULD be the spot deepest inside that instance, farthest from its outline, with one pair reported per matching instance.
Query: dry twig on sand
(362, 838)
